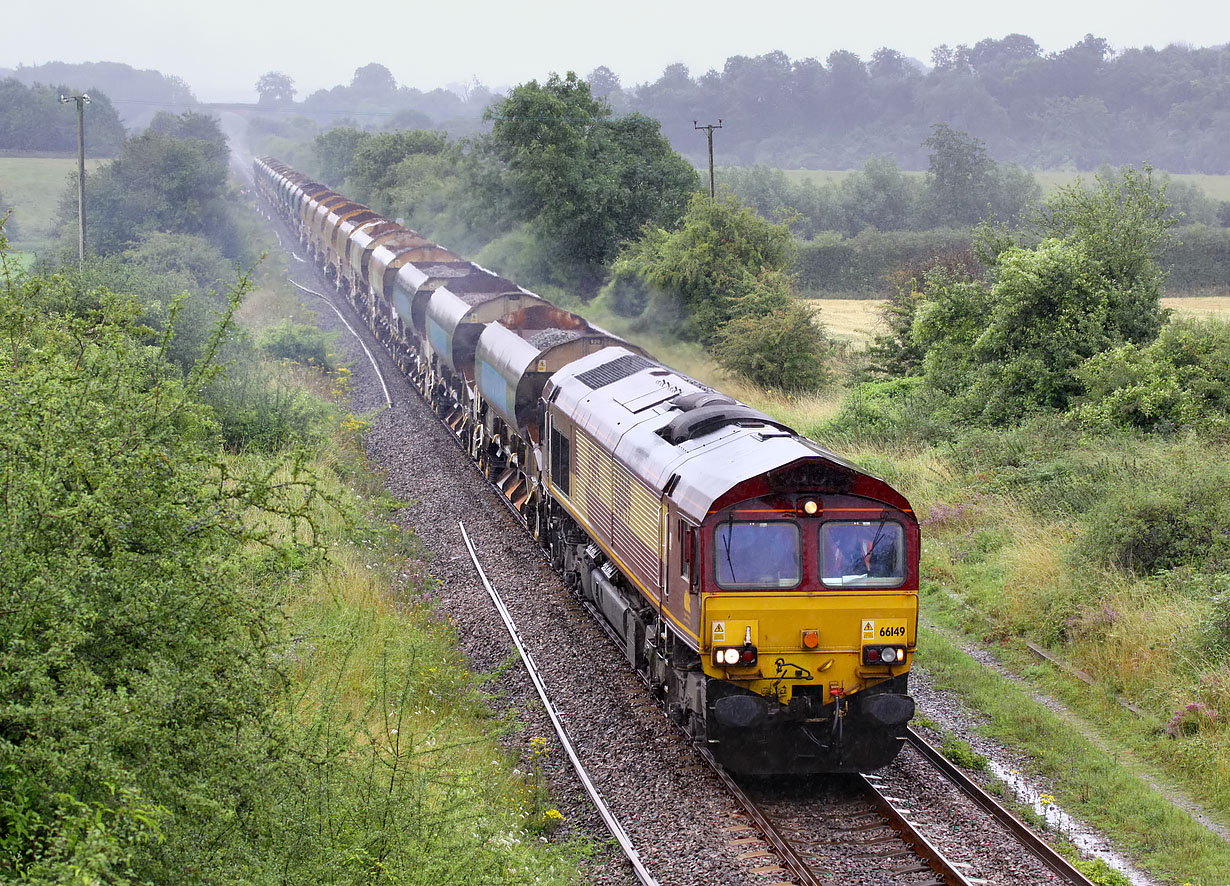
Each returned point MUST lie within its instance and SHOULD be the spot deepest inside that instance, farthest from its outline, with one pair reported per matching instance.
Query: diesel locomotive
(765, 587)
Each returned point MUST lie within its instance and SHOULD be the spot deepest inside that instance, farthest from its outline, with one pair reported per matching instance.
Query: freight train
(765, 588)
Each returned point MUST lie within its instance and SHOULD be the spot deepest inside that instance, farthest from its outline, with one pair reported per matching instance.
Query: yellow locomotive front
(808, 628)
(767, 588)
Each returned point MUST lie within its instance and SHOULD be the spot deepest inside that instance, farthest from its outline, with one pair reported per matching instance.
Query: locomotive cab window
(757, 555)
(862, 554)
(559, 461)
(687, 554)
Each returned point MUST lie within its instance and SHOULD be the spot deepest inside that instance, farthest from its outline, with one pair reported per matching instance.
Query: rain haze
(221, 48)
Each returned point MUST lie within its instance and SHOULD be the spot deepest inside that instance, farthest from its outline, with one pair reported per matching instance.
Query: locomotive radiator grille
(619, 508)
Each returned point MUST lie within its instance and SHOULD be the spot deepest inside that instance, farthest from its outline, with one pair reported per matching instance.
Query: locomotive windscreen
(758, 555)
(864, 554)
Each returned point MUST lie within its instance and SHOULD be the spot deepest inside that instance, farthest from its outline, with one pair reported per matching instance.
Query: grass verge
(403, 776)
(1099, 781)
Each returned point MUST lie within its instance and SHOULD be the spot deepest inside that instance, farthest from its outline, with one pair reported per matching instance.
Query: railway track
(612, 823)
(841, 830)
(854, 831)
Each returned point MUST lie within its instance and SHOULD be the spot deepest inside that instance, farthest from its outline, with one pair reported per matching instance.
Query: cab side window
(560, 461)
(687, 553)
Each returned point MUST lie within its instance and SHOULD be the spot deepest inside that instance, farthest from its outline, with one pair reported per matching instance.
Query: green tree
(373, 80)
(1015, 347)
(721, 253)
(1050, 309)
(879, 197)
(1124, 224)
(373, 170)
(779, 349)
(135, 667)
(275, 88)
(587, 182)
(960, 182)
(32, 118)
(335, 151)
(172, 178)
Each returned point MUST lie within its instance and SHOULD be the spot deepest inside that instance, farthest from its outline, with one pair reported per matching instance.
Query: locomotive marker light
(883, 654)
(743, 656)
(811, 639)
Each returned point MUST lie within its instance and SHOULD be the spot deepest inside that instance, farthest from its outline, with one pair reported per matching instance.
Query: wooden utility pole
(710, 127)
(81, 100)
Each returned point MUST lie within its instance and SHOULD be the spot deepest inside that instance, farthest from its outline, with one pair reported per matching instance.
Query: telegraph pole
(81, 100)
(710, 127)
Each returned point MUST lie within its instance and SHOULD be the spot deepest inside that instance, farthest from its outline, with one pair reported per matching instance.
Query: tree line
(32, 118)
(1079, 107)
(137, 94)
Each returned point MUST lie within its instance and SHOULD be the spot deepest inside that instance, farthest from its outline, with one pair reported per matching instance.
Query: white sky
(221, 47)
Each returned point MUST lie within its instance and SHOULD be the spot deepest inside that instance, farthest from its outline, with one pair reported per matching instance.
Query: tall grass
(400, 775)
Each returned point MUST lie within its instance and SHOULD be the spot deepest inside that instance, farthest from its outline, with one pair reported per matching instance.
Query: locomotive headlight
(811, 507)
(730, 656)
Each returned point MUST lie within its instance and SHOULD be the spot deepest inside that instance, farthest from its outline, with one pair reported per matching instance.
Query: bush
(1180, 380)
(1178, 517)
(781, 350)
(133, 664)
(299, 344)
(255, 413)
(900, 410)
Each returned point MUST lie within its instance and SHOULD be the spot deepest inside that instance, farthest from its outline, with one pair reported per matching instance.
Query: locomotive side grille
(634, 523)
(618, 507)
(607, 373)
(592, 485)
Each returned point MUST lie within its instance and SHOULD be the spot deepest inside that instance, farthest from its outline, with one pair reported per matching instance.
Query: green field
(32, 187)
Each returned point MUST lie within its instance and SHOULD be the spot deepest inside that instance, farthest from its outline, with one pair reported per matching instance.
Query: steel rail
(642, 873)
(923, 848)
(1059, 865)
(785, 852)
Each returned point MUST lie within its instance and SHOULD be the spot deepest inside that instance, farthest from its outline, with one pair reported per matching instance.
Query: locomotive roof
(661, 425)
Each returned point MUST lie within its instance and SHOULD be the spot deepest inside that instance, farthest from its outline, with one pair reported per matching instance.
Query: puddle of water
(1089, 843)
